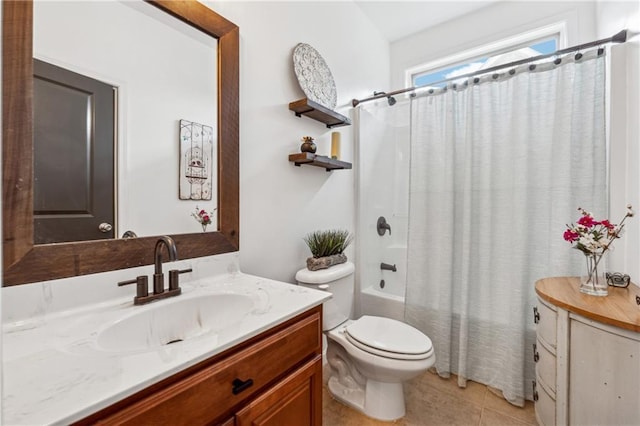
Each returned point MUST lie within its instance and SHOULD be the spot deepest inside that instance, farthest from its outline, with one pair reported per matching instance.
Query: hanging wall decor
(314, 76)
(196, 154)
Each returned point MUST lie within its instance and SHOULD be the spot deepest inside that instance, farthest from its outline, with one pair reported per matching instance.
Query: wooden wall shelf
(319, 113)
(310, 159)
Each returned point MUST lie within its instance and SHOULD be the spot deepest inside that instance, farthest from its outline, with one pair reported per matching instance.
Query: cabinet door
(295, 401)
(604, 375)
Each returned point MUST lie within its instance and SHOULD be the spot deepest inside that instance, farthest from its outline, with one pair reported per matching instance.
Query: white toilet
(370, 357)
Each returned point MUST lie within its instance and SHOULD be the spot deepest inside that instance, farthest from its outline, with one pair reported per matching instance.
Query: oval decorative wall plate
(314, 76)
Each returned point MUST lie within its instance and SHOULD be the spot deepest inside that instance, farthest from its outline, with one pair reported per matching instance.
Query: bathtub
(381, 302)
(374, 298)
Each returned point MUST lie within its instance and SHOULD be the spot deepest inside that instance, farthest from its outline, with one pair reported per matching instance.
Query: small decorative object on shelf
(308, 145)
(327, 248)
(314, 76)
(594, 238)
(203, 217)
(335, 145)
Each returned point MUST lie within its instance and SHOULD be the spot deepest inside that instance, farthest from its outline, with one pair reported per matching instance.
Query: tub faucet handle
(382, 226)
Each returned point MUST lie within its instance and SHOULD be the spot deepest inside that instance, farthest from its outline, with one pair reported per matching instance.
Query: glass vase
(594, 282)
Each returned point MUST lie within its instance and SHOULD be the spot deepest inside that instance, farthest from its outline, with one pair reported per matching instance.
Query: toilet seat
(388, 338)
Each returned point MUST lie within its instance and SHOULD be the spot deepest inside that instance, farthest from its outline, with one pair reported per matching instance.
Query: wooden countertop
(619, 308)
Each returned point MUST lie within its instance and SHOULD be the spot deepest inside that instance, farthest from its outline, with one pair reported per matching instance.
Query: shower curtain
(499, 165)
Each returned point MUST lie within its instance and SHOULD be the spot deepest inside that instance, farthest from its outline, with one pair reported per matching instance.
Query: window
(539, 42)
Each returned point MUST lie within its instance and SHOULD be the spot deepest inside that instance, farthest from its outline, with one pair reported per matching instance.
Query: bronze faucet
(142, 282)
(158, 276)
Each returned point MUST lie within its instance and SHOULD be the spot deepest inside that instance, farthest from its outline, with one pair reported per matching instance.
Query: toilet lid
(389, 338)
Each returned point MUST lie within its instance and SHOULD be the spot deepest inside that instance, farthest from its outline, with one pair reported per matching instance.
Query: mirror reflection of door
(74, 122)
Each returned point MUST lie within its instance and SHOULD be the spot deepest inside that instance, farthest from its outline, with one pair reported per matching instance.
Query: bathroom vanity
(283, 366)
(587, 355)
(250, 353)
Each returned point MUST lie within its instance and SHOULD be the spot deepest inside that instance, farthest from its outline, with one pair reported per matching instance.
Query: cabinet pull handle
(536, 355)
(536, 315)
(239, 385)
(535, 391)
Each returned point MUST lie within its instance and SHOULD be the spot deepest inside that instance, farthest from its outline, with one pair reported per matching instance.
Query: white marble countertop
(55, 372)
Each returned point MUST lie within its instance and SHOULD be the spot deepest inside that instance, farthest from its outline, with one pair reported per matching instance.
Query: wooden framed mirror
(23, 261)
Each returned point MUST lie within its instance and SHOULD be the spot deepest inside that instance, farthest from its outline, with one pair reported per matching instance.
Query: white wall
(281, 203)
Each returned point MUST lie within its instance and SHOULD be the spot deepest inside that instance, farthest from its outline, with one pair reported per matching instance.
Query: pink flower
(587, 221)
(571, 236)
(205, 219)
(607, 224)
(202, 213)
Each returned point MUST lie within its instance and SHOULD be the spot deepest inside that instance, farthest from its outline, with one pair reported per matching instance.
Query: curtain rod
(620, 37)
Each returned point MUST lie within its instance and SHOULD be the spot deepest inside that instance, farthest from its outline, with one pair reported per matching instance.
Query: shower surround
(382, 159)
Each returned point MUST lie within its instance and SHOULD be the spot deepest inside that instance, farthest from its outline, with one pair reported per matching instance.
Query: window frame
(518, 41)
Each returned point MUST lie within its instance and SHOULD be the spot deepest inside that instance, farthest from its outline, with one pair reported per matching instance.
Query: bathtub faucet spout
(387, 267)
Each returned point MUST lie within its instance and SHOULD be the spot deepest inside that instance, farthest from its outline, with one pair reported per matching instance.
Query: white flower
(589, 242)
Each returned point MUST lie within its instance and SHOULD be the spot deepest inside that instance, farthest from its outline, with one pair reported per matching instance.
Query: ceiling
(398, 19)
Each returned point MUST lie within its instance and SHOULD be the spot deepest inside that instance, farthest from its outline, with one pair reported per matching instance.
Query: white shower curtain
(498, 167)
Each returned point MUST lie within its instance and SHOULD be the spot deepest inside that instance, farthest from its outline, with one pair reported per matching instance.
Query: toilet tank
(339, 281)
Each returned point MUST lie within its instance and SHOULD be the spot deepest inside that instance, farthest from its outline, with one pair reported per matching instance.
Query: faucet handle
(142, 287)
(174, 283)
(382, 226)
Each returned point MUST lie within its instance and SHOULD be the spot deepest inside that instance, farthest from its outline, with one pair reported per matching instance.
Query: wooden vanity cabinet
(272, 379)
(587, 355)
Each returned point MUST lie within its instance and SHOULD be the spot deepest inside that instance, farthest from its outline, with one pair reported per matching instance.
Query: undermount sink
(162, 324)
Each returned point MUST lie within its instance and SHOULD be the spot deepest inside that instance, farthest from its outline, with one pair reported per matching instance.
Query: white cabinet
(587, 372)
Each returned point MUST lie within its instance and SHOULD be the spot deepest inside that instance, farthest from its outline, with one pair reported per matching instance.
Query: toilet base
(381, 401)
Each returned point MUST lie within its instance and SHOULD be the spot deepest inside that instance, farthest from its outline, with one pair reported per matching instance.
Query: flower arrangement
(203, 217)
(593, 238)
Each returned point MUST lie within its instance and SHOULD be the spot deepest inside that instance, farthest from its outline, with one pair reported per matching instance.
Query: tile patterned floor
(433, 401)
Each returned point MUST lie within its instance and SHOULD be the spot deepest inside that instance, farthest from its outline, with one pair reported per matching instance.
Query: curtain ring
(431, 91)
(476, 80)
(600, 51)
(557, 61)
(532, 67)
(512, 71)
(578, 56)
(495, 76)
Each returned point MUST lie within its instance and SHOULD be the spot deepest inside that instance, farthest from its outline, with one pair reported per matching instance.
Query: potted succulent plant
(327, 248)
